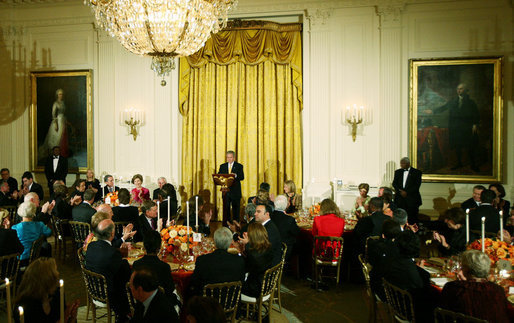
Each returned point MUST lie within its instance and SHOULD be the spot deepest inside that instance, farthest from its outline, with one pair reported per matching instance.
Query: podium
(225, 181)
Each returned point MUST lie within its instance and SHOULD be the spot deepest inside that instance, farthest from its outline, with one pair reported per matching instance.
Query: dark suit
(143, 227)
(83, 213)
(6, 200)
(367, 227)
(160, 310)
(106, 189)
(275, 240)
(470, 204)
(106, 260)
(288, 229)
(13, 184)
(125, 214)
(163, 209)
(380, 253)
(60, 172)
(38, 189)
(161, 270)
(492, 219)
(256, 264)
(412, 201)
(62, 209)
(233, 196)
(217, 267)
(9, 242)
(155, 194)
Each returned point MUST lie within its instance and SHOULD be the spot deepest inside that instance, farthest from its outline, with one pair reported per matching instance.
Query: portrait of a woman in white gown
(57, 131)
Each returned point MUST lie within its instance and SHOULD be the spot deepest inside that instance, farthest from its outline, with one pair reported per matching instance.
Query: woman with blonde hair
(259, 257)
(93, 183)
(38, 293)
(361, 206)
(295, 201)
(139, 193)
(329, 222)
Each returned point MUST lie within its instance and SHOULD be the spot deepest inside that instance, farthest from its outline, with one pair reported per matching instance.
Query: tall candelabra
(353, 117)
(134, 119)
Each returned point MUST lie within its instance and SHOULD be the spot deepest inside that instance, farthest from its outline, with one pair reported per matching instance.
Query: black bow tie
(405, 170)
(56, 157)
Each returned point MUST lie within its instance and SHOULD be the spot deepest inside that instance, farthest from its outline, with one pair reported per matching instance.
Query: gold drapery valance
(250, 43)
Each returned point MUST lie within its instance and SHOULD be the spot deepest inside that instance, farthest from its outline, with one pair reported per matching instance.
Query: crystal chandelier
(161, 29)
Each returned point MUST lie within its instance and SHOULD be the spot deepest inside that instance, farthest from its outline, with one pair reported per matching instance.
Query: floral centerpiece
(112, 198)
(496, 250)
(175, 236)
(314, 209)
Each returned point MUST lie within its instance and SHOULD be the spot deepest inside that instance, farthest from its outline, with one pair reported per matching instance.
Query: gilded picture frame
(456, 119)
(61, 114)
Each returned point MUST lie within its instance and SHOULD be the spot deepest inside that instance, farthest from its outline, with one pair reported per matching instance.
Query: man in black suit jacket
(125, 212)
(286, 224)
(84, 211)
(406, 183)
(160, 181)
(56, 168)
(147, 221)
(9, 241)
(151, 262)
(492, 217)
(262, 216)
(152, 305)
(218, 266)
(370, 225)
(109, 186)
(167, 190)
(13, 183)
(30, 186)
(233, 196)
(103, 258)
(474, 201)
(5, 197)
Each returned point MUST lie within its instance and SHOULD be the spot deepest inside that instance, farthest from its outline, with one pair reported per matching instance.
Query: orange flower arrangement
(113, 197)
(314, 209)
(176, 236)
(496, 250)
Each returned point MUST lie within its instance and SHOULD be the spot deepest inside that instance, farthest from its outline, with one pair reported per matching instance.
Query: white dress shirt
(56, 162)
(405, 175)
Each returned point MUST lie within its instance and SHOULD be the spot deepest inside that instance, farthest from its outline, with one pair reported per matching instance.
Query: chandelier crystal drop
(161, 29)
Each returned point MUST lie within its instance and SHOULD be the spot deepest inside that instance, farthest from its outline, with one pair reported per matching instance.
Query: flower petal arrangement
(496, 250)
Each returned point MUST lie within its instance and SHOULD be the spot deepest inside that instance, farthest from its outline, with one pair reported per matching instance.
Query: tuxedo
(233, 196)
(412, 201)
(106, 189)
(492, 219)
(104, 259)
(38, 189)
(217, 267)
(288, 229)
(470, 204)
(9, 242)
(83, 213)
(275, 240)
(161, 270)
(59, 173)
(160, 309)
(367, 227)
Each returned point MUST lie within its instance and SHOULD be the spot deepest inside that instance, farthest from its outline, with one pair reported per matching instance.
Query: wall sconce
(354, 116)
(134, 119)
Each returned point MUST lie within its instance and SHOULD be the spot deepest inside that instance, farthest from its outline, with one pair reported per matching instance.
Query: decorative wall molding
(318, 17)
(390, 13)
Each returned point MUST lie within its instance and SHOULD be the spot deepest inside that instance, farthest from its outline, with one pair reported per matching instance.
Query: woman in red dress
(330, 222)
(139, 193)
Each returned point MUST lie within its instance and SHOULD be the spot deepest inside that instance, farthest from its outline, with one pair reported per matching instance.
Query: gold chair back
(227, 294)
(400, 302)
(447, 316)
(35, 250)
(80, 231)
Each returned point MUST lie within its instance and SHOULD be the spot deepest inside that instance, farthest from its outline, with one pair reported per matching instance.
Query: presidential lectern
(225, 181)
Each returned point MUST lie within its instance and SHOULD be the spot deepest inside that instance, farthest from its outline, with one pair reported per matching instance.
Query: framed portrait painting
(456, 119)
(61, 115)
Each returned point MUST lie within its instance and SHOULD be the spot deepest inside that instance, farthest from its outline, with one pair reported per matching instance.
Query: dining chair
(328, 252)
(80, 231)
(35, 250)
(279, 283)
(447, 316)
(9, 267)
(227, 294)
(368, 240)
(58, 226)
(13, 213)
(366, 269)
(401, 307)
(96, 287)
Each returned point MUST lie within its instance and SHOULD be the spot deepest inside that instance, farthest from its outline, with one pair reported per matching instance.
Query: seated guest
(46, 210)
(384, 190)
(152, 305)
(11, 181)
(104, 211)
(93, 184)
(151, 262)
(294, 200)
(168, 191)
(360, 209)
(125, 212)
(263, 216)
(262, 186)
(487, 210)
(474, 201)
(370, 225)
(30, 186)
(387, 198)
(29, 231)
(472, 294)
(263, 197)
(236, 227)
(259, 257)
(380, 253)
(80, 188)
(403, 272)
(192, 209)
(63, 206)
(147, 221)
(200, 309)
(139, 193)
(218, 266)
(499, 203)
(9, 242)
(204, 219)
(329, 223)
(103, 258)
(84, 211)
(6, 198)
(39, 295)
(286, 224)
(160, 181)
(453, 240)
(109, 185)
(401, 216)
(95, 220)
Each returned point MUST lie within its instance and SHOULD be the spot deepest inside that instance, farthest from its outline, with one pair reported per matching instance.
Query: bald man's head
(105, 208)
(105, 230)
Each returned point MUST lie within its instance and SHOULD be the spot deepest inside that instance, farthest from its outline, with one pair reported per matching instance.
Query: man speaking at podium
(233, 196)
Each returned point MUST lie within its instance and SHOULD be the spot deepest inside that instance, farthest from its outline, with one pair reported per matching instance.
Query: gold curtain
(243, 91)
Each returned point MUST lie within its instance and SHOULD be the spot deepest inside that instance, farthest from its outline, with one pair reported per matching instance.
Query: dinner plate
(432, 270)
(440, 281)
(511, 299)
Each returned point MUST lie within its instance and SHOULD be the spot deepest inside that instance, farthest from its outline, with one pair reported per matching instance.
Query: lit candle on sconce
(354, 116)
(133, 118)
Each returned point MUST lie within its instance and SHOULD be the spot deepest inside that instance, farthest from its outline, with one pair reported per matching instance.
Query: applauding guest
(29, 186)
(148, 221)
(9, 242)
(218, 266)
(125, 212)
(168, 191)
(93, 184)
(499, 203)
(286, 224)
(474, 201)
(139, 193)
(109, 186)
(80, 188)
(84, 211)
(294, 200)
(160, 181)
(361, 202)
(370, 225)
(453, 240)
